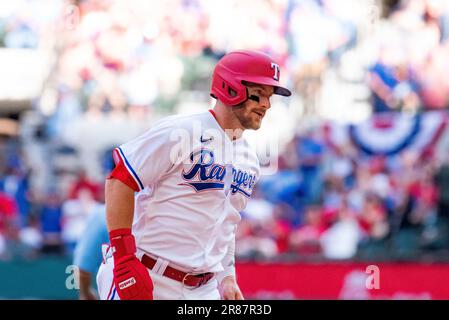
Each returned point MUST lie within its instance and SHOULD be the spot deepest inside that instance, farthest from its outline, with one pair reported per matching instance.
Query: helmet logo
(276, 68)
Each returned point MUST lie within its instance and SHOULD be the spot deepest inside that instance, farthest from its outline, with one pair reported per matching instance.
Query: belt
(188, 279)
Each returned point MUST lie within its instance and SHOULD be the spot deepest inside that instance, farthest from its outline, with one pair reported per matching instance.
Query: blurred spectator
(255, 236)
(21, 35)
(341, 240)
(14, 181)
(31, 238)
(442, 183)
(306, 239)
(310, 151)
(8, 222)
(255, 241)
(393, 86)
(434, 83)
(75, 213)
(51, 216)
(83, 182)
(424, 195)
(408, 72)
(373, 218)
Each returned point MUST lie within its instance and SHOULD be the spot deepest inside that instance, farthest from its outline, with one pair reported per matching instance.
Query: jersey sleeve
(148, 157)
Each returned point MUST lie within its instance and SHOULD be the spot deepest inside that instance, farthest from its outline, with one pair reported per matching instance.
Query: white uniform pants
(164, 288)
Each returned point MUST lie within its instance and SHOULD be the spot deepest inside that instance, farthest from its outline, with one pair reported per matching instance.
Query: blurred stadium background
(363, 173)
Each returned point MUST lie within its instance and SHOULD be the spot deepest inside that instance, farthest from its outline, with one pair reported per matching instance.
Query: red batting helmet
(236, 67)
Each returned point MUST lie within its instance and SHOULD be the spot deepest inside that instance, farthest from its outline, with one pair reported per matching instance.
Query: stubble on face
(251, 112)
(244, 114)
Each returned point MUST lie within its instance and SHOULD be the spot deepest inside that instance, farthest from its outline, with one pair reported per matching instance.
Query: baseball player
(174, 196)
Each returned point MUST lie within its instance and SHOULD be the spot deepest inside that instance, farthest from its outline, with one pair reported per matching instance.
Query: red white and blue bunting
(390, 133)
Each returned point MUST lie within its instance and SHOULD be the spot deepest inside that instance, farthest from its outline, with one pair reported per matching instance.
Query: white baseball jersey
(193, 181)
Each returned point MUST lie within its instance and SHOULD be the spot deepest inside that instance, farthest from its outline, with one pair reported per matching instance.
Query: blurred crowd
(34, 222)
(409, 71)
(335, 202)
(116, 56)
(137, 58)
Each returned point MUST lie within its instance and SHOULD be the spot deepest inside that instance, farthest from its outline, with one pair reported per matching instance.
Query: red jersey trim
(122, 173)
(213, 114)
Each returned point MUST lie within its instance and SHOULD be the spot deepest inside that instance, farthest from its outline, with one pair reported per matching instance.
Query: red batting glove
(131, 277)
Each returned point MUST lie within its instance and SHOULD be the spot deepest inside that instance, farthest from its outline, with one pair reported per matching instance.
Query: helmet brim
(282, 91)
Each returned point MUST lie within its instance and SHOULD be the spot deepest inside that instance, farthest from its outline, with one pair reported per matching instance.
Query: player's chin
(253, 126)
(252, 122)
(257, 123)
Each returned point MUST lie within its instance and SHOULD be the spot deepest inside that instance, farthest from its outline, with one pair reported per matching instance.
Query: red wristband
(123, 242)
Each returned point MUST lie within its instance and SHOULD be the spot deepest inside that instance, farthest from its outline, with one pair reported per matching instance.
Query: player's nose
(265, 103)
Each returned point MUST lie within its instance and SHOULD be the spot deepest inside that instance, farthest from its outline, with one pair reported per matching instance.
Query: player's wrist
(122, 242)
(88, 294)
(229, 272)
(228, 280)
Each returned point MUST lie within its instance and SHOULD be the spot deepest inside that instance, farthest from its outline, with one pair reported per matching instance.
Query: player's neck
(228, 123)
